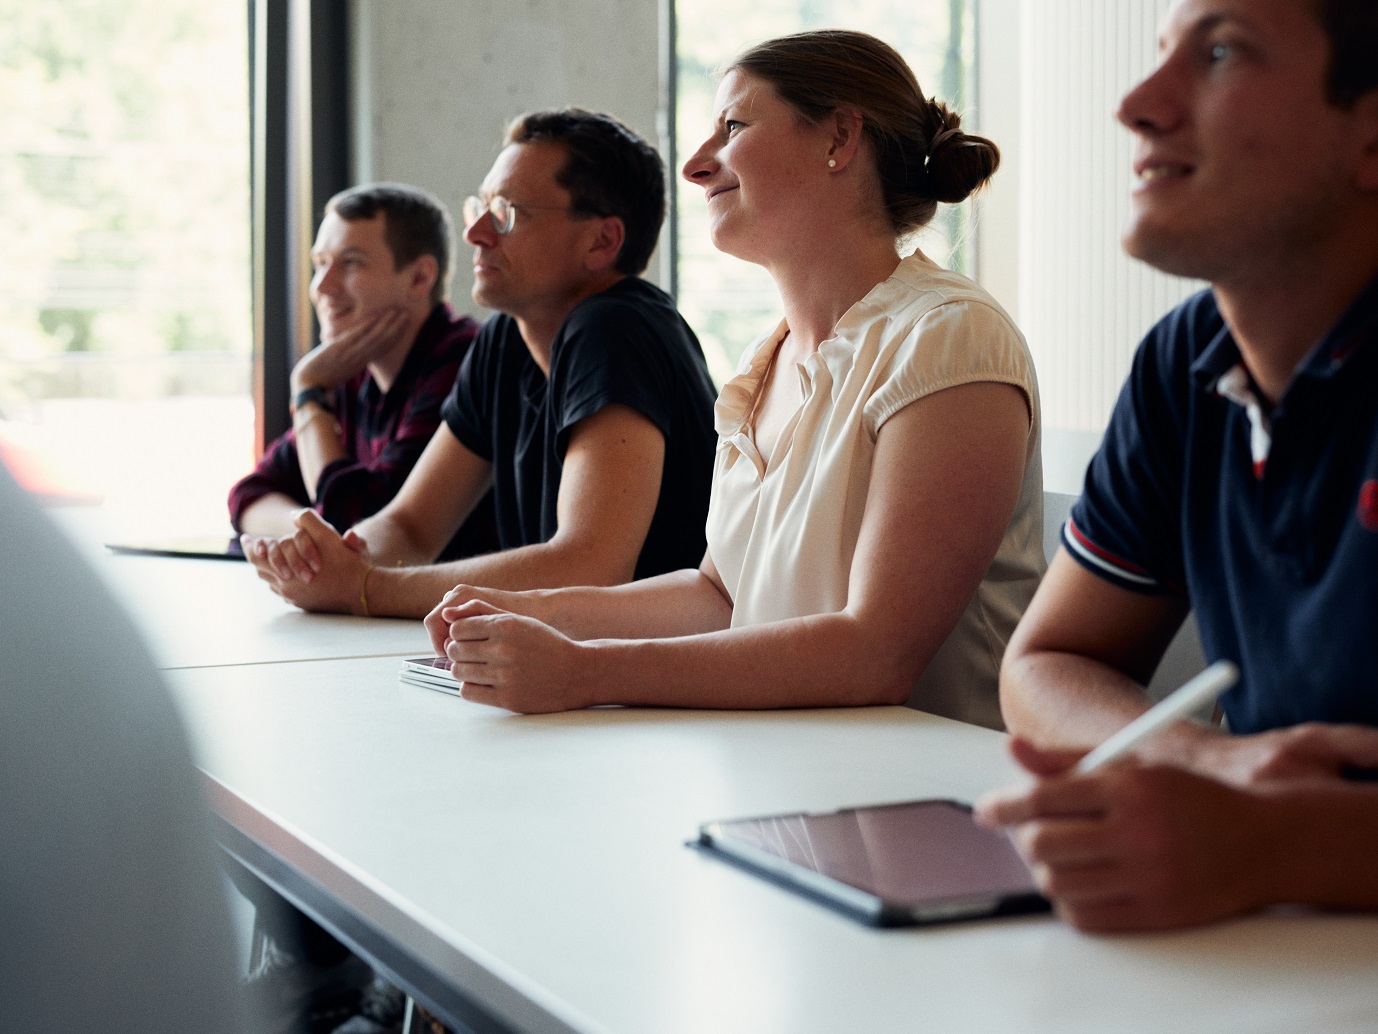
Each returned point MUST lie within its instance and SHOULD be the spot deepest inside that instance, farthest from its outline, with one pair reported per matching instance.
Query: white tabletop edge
(399, 654)
(523, 995)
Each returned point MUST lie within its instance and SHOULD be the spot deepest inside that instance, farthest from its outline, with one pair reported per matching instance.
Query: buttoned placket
(1286, 517)
(1236, 386)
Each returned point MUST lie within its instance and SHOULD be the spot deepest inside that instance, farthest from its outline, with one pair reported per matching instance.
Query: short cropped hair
(416, 223)
(1352, 26)
(608, 171)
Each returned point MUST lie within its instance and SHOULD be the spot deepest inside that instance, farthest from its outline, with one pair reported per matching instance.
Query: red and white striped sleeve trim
(1103, 561)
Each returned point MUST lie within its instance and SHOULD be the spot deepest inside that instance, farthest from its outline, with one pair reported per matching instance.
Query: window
(125, 313)
(730, 303)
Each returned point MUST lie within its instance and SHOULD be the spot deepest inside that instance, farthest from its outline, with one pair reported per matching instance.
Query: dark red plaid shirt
(384, 435)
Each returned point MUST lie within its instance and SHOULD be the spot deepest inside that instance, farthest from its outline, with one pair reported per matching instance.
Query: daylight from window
(730, 303)
(125, 314)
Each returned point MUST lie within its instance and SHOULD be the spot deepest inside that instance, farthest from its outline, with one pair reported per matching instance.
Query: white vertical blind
(1083, 304)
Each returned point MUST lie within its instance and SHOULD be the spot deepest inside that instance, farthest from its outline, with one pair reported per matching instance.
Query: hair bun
(957, 163)
(922, 156)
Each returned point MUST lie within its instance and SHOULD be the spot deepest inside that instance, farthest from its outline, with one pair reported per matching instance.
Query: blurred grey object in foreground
(112, 912)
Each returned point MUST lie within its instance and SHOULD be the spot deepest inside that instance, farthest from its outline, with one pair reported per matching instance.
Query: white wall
(1052, 74)
(1085, 305)
(435, 83)
(998, 89)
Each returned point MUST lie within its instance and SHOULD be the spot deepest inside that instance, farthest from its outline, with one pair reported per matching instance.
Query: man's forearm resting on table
(1067, 701)
(413, 591)
(607, 498)
(389, 541)
(1076, 667)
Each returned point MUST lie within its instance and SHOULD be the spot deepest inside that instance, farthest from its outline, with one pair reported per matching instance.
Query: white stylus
(1195, 693)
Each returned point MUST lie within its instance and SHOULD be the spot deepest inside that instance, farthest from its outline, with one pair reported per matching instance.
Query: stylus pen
(1195, 693)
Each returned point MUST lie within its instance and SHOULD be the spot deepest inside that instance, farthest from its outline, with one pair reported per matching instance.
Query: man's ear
(847, 128)
(1365, 113)
(605, 246)
(421, 276)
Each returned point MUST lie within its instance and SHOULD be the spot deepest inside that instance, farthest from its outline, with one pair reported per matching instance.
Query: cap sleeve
(956, 342)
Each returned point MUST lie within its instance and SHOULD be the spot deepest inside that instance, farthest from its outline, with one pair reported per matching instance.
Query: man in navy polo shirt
(1238, 478)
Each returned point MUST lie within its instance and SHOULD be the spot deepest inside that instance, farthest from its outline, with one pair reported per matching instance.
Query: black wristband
(313, 395)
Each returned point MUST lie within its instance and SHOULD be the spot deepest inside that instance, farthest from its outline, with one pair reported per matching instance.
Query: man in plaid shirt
(367, 400)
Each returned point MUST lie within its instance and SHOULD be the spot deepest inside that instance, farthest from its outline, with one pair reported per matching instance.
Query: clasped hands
(503, 655)
(1138, 846)
(500, 656)
(315, 568)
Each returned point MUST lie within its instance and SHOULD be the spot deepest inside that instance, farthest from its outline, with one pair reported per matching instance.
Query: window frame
(299, 157)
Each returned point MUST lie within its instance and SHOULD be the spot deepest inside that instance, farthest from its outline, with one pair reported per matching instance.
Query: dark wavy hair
(608, 171)
(922, 155)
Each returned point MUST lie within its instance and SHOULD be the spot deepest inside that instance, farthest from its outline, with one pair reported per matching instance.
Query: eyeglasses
(504, 212)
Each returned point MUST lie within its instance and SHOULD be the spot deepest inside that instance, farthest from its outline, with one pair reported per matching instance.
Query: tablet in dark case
(194, 547)
(910, 864)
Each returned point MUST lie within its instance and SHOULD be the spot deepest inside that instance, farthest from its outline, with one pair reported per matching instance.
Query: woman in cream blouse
(875, 530)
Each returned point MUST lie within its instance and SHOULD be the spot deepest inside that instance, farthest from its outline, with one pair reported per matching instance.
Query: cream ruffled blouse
(782, 535)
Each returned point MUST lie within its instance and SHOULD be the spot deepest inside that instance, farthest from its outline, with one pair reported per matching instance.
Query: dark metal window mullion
(274, 346)
(277, 146)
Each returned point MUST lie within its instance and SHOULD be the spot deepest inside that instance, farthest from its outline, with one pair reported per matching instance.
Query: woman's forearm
(826, 660)
(679, 603)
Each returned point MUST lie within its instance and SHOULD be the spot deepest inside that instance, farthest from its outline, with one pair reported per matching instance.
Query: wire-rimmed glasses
(502, 211)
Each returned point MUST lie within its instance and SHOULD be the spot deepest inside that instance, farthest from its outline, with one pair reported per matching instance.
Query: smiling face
(1240, 162)
(355, 276)
(762, 170)
(542, 263)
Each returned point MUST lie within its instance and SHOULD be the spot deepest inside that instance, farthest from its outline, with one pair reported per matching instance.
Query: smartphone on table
(429, 673)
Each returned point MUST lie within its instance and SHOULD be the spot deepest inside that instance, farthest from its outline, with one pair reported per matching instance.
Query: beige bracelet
(363, 590)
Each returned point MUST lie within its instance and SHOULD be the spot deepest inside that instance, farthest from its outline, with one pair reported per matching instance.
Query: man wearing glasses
(584, 403)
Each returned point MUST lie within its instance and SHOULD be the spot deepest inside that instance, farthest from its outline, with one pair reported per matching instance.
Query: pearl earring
(832, 163)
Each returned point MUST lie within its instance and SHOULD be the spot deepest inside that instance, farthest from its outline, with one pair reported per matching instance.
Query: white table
(205, 613)
(530, 874)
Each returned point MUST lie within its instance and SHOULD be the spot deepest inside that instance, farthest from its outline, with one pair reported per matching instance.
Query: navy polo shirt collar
(1219, 356)
(1356, 328)
(1332, 353)
(1220, 370)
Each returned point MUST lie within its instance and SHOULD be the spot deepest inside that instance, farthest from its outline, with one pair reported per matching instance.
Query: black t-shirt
(628, 346)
